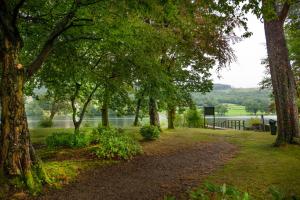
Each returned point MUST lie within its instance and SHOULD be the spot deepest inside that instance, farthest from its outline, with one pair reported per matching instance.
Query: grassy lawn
(256, 167)
(238, 110)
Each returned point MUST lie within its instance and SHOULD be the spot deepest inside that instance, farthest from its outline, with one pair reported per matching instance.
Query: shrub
(113, 144)
(68, 140)
(218, 192)
(150, 132)
(46, 123)
(193, 118)
(254, 121)
(179, 120)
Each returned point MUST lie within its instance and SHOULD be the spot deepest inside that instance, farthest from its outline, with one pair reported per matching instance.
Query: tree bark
(17, 156)
(104, 114)
(171, 116)
(53, 110)
(153, 114)
(137, 112)
(283, 82)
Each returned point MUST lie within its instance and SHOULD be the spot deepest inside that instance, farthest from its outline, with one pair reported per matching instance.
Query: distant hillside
(231, 95)
(218, 86)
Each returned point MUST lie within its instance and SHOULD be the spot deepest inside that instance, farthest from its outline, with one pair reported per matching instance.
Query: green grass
(238, 110)
(257, 166)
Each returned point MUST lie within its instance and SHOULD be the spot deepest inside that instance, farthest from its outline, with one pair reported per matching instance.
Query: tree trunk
(17, 156)
(104, 114)
(52, 111)
(282, 81)
(153, 114)
(171, 116)
(137, 112)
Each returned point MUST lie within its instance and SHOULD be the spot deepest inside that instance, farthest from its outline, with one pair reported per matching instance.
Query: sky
(247, 71)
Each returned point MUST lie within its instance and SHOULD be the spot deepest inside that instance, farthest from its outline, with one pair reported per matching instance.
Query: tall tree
(20, 22)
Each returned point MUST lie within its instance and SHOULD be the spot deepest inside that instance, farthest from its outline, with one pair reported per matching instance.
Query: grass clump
(62, 139)
(113, 144)
(150, 132)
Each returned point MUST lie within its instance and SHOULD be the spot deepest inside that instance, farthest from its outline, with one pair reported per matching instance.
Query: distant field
(237, 110)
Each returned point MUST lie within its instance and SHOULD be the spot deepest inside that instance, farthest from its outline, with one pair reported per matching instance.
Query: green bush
(150, 132)
(209, 190)
(113, 144)
(68, 140)
(179, 120)
(193, 118)
(46, 123)
(254, 121)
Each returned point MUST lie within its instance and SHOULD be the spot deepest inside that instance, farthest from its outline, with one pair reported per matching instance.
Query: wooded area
(131, 57)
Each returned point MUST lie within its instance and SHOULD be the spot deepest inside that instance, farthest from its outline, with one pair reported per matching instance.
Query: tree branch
(63, 25)
(284, 11)
(60, 27)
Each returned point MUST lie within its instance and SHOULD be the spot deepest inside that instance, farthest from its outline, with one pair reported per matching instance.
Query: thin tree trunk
(104, 114)
(153, 114)
(171, 116)
(52, 111)
(283, 82)
(77, 123)
(137, 112)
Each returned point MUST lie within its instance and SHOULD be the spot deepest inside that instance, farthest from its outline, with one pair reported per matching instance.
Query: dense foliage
(61, 139)
(113, 144)
(150, 132)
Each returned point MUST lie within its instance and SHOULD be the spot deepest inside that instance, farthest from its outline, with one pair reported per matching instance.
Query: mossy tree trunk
(283, 81)
(153, 113)
(17, 158)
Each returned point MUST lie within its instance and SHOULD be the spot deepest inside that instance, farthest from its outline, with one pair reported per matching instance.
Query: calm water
(118, 122)
(121, 122)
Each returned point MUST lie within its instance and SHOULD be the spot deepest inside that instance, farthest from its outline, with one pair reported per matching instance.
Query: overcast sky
(246, 71)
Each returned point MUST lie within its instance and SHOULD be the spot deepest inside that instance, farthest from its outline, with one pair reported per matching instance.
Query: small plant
(46, 123)
(150, 132)
(68, 140)
(113, 144)
(193, 118)
(211, 191)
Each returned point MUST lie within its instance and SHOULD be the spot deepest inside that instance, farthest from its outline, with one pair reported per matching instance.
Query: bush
(113, 144)
(68, 140)
(150, 132)
(193, 118)
(179, 120)
(46, 123)
(254, 121)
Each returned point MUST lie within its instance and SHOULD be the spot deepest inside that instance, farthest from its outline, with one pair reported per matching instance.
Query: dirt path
(149, 176)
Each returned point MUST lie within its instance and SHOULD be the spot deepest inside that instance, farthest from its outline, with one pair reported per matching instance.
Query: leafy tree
(221, 109)
(274, 14)
(33, 28)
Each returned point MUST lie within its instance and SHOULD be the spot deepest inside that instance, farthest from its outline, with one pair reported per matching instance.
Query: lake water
(121, 122)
